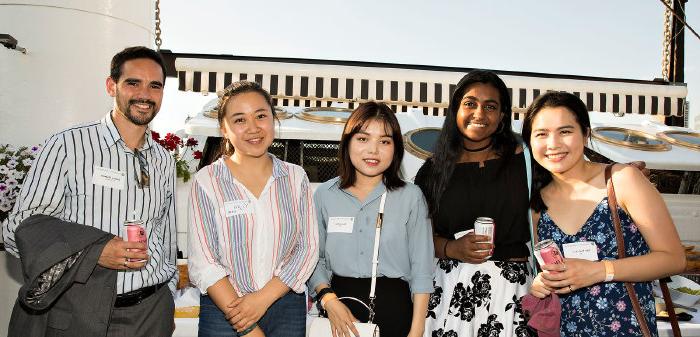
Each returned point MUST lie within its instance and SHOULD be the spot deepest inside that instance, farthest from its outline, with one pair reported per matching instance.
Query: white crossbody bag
(321, 326)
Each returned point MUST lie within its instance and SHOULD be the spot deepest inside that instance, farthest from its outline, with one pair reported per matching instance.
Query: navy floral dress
(603, 309)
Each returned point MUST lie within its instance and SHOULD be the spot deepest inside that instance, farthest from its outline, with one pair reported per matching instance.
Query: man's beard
(136, 117)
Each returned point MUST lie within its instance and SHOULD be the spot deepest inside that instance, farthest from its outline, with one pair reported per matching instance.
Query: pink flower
(633, 228)
(614, 326)
(621, 306)
(595, 290)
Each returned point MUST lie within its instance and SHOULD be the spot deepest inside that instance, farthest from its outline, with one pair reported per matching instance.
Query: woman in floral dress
(570, 197)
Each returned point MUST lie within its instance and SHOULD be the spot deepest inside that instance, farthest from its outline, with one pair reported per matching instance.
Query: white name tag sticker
(340, 224)
(585, 250)
(108, 177)
(237, 207)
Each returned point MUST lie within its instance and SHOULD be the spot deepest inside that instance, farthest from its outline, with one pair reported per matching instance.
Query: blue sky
(619, 38)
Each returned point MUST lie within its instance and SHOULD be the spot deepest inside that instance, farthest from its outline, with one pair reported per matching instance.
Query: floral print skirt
(478, 300)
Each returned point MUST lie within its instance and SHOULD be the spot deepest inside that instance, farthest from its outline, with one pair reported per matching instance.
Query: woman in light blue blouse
(371, 149)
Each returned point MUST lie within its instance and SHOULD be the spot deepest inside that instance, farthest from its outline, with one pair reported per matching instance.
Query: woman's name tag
(237, 207)
(340, 224)
(585, 250)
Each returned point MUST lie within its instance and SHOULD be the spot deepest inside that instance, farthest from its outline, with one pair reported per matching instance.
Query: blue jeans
(285, 318)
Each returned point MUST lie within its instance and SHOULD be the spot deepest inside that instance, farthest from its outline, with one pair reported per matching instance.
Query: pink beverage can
(485, 226)
(548, 252)
(135, 233)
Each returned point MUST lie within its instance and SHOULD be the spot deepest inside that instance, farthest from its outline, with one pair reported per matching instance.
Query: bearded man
(106, 174)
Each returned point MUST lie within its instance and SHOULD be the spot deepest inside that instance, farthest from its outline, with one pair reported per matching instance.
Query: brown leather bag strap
(643, 324)
(663, 283)
(612, 205)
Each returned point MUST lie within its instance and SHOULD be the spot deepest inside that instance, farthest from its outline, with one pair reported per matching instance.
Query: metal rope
(159, 41)
(680, 19)
(666, 45)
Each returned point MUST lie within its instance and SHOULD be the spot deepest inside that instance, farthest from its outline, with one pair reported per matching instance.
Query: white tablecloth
(688, 329)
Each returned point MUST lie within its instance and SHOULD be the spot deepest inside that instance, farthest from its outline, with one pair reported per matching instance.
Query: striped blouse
(60, 183)
(251, 240)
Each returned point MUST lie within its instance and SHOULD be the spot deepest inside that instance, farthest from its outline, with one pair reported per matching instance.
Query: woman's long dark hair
(448, 148)
(541, 177)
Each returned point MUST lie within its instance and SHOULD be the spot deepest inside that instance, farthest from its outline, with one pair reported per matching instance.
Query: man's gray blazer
(65, 291)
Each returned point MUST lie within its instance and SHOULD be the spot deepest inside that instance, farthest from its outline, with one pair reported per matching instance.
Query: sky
(620, 39)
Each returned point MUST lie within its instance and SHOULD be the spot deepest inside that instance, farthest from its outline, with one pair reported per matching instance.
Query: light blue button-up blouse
(406, 246)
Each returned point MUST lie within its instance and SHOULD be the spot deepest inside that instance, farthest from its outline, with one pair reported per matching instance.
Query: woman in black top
(478, 170)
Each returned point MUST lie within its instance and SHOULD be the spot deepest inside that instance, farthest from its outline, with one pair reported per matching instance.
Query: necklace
(479, 149)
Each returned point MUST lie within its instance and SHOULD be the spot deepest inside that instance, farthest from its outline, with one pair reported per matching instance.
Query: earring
(228, 147)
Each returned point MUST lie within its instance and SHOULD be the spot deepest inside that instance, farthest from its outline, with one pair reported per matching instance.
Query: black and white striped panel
(324, 91)
(432, 97)
(609, 102)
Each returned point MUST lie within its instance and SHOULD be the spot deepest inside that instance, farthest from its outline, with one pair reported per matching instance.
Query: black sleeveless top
(498, 191)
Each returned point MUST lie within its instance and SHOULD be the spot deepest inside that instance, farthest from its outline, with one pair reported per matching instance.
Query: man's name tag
(237, 207)
(108, 177)
(585, 250)
(340, 224)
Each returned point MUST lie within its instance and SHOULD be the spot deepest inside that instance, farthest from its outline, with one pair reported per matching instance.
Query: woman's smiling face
(371, 150)
(248, 124)
(557, 139)
(479, 115)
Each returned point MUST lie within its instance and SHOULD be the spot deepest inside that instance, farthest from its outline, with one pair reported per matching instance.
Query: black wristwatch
(323, 292)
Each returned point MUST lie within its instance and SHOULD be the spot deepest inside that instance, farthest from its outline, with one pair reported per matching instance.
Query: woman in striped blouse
(252, 227)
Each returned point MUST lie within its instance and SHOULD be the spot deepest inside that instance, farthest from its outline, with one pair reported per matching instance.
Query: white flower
(16, 174)
(4, 169)
(11, 182)
(28, 162)
(12, 163)
(2, 156)
(5, 206)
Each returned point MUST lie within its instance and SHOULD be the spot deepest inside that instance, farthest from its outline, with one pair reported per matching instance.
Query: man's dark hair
(132, 53)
